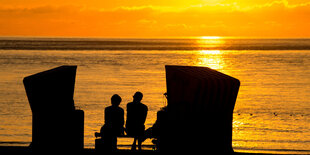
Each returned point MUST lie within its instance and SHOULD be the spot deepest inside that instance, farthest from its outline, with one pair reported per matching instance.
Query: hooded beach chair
(56, 125)
(200, 106)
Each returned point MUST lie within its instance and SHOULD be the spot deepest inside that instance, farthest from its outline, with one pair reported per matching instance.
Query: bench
(99, 141)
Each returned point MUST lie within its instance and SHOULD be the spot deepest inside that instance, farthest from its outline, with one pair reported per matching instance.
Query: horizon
(138, 38)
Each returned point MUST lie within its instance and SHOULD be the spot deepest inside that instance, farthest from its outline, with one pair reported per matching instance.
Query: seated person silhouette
(113, 124)
(136, 115)
(159, 127)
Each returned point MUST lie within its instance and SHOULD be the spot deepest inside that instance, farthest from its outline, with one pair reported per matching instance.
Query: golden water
(272, 112)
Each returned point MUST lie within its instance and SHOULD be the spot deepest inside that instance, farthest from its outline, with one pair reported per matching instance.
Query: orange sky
(155, 18)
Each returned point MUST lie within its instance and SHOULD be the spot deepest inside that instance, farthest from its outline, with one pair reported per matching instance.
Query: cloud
(276, 18)
(282, 3)
(146, 21)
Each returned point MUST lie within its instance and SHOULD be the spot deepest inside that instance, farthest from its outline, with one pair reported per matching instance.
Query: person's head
(137, 97)
(116, 100)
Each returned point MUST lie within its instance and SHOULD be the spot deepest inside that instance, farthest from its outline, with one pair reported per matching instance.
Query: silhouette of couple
(114, 121)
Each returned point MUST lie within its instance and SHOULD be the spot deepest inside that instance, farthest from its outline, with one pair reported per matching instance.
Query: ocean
(272, 112)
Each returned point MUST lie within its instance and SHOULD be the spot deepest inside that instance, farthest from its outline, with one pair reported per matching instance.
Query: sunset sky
(155, 18)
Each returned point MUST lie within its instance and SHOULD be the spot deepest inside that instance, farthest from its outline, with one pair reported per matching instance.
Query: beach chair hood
(201, 103)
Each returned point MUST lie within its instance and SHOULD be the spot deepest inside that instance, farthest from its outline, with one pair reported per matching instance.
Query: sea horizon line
(149, 38)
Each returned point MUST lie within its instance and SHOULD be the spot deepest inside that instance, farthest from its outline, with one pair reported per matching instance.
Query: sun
(210, 42)
(210, 37)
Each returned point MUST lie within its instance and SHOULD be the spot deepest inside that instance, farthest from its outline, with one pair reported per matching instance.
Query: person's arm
(122, 118)
(106, 116)
(145, 114)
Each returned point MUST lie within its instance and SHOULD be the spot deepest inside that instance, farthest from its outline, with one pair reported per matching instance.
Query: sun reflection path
(210, 58)
(210, 52)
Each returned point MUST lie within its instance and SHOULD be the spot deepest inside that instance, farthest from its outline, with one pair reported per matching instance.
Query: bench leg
(134, 144)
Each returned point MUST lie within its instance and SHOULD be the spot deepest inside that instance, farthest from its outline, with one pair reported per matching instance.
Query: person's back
(136, 116)
(114, 119)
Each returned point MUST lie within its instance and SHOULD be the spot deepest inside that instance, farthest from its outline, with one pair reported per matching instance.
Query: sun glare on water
(210, 42)
(210, 52)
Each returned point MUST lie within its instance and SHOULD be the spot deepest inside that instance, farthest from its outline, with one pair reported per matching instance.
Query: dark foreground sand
(26, 150)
